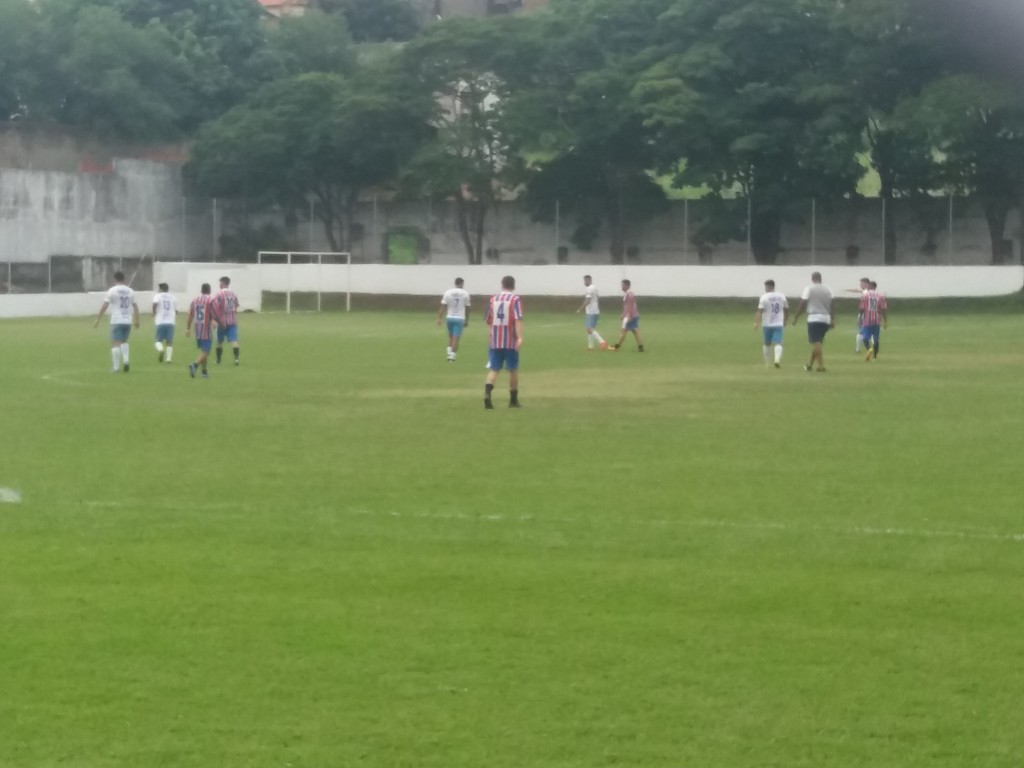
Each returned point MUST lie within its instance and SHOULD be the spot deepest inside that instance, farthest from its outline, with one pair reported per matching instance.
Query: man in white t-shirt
(165, 307)
(592, 313)
(772, 313)
(124, 313)
(455, 310)
(817, 300)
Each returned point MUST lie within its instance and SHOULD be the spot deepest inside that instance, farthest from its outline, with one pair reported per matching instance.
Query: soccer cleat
(821, 370)
(125, 368)
(604, 345)
(778, 365)
(808, 368)
(870, 351)
(236, 361)
(514, 405)
(192, 370)
(488, 405)
(204, 375)
(640, 348)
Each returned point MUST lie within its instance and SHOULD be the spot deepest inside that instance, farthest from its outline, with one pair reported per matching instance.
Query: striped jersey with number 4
(502, 312)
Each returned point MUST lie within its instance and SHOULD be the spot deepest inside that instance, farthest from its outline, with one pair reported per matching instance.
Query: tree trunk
(996, 213)
(889, 231)
(462, 217)
(617, 228)
(766, 235)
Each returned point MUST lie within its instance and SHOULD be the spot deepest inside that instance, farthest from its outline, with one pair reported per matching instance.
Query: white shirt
(773, 308)
(819, 303)
(590, 296)
(121, 298)
(166, 305)
(456, 299)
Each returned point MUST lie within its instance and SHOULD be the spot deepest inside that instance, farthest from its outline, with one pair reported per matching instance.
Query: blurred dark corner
(989, 32)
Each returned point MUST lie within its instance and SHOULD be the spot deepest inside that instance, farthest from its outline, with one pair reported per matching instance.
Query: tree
(313, 42)
(315, 136)
(470, 158)
(977, 129)
(890, 51)
(23, 71)
(120, 81)
(220, 46)
(746, 94)
(376, 21)
(574, 107)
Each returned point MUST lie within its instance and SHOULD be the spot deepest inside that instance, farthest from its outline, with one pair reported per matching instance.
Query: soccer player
(590, 307)
(124, 313)
(865, 285)
(165, 308)
(818, 301)
(203, 313)
(227, 319)
(455, 307)
(630, 318)
(874, 311)
(505, 319)
(772, 313)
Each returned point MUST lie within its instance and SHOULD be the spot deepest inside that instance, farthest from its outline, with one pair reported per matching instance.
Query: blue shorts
(816, 332)
(165, 333)
(772, 335)
(499, 358)
(869, 332)
(455, 326)
(120, 333)
(590, 321)
(205, 345)
(228, 332)
(631, 325)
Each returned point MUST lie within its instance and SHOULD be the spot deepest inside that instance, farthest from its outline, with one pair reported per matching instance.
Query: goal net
(299, 281)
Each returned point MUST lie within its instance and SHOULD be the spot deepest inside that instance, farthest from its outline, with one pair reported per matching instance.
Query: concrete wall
(136, 209)
(251, 280)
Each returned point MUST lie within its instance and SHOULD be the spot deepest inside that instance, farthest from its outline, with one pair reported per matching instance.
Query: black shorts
(816, 332)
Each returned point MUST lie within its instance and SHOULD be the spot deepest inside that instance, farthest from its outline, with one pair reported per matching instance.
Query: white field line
(726, 524)
(855, 530)
(9, 496)
(61, 380)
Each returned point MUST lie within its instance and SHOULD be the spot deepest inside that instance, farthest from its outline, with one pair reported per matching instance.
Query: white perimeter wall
(250, 281)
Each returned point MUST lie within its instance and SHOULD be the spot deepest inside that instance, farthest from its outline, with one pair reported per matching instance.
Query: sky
(992, 31)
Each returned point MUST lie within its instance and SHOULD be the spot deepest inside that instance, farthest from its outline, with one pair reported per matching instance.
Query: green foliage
(313, 42)
(376, 21)
(316, 135)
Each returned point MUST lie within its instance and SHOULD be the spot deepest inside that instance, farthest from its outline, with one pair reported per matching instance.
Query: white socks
(778, 353)
(115, 354)
(124, 353)
(168, 351)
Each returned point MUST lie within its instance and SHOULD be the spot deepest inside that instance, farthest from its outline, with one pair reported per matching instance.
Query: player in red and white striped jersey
(227, 322)
(505, 319)
(202, 314)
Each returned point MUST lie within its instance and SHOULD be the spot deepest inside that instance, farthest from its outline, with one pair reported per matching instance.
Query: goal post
(304, 272)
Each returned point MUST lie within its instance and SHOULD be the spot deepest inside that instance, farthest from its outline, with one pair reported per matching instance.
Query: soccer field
(333, 556)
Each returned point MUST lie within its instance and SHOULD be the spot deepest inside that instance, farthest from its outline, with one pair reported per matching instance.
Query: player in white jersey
(455, 310)
(772, 313)
(124, 313)
(593, 312)
(165, 307)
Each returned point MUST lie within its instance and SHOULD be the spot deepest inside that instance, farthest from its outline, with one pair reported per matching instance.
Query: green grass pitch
(333, 556)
